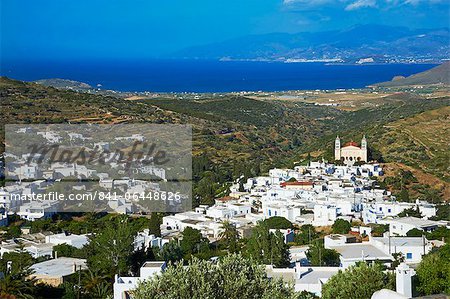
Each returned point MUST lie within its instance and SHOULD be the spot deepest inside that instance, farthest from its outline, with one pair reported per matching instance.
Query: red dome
(351, 143)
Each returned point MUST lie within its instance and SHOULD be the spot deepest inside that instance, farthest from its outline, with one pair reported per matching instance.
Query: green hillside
(416, 143)
(437, 75)
(235, 135)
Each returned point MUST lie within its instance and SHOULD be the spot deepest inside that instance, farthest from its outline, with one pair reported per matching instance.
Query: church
(350, 152)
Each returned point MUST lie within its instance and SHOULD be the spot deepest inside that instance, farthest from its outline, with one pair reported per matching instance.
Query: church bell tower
(364, 147)
(337, 148)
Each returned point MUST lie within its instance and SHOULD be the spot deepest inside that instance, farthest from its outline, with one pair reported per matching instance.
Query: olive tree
(232, 277)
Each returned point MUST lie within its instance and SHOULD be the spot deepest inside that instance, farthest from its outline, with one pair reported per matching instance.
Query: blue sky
(146, 28)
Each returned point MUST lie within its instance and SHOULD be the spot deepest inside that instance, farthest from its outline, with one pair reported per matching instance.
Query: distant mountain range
(437, 75)
(358, 44)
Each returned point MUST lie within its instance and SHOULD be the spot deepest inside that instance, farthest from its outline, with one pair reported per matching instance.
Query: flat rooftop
(191, 221)
(361, 250)
(416, 221)
(316, 274)
(402, 241)
(60, 267)
(153, 264)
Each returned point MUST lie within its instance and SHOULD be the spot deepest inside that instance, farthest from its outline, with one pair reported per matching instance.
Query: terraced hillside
(421, 141)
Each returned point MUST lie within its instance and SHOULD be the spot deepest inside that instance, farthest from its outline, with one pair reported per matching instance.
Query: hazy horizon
(149, 29)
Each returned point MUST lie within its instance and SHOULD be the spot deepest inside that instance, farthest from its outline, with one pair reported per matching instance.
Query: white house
(123, 285)
(412, 248)
(310, 279)
(401, 226)
(39, 250)
(282, 209)
(146, 240)
(54, 271)
(37, 209)
(325, 214)
(378, 248)
(74, 240)
(352, 253)
(219, 212)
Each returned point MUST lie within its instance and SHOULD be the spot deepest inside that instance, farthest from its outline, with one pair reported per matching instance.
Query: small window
(408, 255)
(389, 210)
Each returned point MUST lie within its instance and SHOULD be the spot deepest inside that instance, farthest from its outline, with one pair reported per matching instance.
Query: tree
(266, 247)
(415, 232)
(192, 241)
(41, 225)
(17, 285)
(110, 250)
(206, 187)
(305, 235)
(20, 262)
(432, 195)
(433, 272)
(95, 284)
(170, 252)
(231, 277)
(139, 257)
(318, 255)
(358, 282)
(439, 233)
(278, 222)
(13, 231)
(229, 236)
(374, 154)
(379, 229)
(306, 295)
(442, 212)
(69, 251)
(341, 226)
(17, 282)
(279, 255)
(155, 224)
(403, 196)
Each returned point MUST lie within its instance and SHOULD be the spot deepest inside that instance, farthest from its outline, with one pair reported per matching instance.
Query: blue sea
(208, 76)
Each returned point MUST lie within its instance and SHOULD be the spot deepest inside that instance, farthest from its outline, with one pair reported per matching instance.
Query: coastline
(203, 77)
